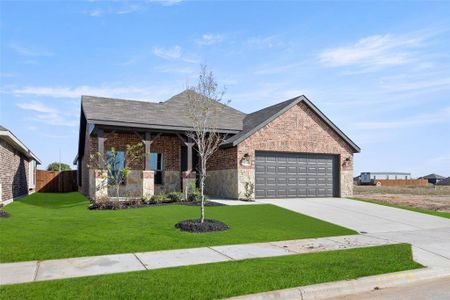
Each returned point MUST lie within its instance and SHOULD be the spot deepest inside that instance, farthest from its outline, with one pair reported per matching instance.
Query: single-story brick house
(290, 149)
(17, 167)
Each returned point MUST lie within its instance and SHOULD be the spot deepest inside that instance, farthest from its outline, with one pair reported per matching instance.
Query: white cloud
(263, 42)
(48, 115)
(28, 51)
(413, 84)
(37, 107)
(125, 7)
(210, 39)
(174, 53)
(442, 116)
(171, 53)
(95, 12)
(126, 92)
(374, 52)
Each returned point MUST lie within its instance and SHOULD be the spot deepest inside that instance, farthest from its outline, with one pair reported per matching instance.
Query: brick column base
(148, 183)
(188, 178)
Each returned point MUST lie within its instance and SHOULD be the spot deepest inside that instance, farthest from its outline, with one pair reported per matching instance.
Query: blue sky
(379, 70)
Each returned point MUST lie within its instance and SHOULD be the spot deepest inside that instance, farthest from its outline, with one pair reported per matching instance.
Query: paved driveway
(429, 235)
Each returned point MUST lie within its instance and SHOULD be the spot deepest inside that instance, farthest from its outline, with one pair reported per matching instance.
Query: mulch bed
(114, 205)
(196, 226)
(3, 214)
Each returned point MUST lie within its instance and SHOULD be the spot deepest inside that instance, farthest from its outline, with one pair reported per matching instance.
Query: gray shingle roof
(3, 128)
(433, 176)
(171, 114)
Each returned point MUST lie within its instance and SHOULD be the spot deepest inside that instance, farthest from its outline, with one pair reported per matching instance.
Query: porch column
(147, 143)
(189, 176)
(101, 148)
(189, 144)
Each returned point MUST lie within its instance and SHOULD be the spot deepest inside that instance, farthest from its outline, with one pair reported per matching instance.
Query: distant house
(17, 167)
(433, 178)
(445, 181)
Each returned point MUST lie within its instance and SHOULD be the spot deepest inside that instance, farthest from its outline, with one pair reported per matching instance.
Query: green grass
(227, 279)
(47, 226)
(420, 210)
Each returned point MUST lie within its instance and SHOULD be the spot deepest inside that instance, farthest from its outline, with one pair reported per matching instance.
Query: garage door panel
(281, 175)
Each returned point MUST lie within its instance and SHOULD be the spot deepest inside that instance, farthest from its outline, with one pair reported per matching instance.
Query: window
(116, 164)
(156, 165)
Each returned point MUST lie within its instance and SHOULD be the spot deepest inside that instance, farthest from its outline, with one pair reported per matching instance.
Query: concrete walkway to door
(429, 235)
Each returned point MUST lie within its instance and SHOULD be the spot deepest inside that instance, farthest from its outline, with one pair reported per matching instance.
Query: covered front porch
(167, 163)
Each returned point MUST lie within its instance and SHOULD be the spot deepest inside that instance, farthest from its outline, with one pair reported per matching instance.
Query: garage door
(295, 175)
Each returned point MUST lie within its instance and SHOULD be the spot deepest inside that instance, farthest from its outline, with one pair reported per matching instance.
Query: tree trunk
(202, 190)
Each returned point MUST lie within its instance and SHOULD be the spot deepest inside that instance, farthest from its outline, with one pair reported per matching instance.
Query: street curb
(349, 287)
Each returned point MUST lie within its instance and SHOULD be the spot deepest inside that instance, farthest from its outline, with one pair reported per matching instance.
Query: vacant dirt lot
(434, 198)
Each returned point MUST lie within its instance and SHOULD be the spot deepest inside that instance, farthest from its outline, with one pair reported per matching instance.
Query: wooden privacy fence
(56, 182)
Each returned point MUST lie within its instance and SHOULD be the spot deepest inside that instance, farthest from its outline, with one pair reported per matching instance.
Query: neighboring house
(17, 167)
(445, 181)
(290, 149)
(433, 178)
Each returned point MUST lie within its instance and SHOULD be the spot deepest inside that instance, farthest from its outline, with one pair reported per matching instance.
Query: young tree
(203, 99)
(56, 166)
(118, 167)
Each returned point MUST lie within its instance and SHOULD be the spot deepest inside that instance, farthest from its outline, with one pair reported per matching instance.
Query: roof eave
(166, 128)
(14, 141)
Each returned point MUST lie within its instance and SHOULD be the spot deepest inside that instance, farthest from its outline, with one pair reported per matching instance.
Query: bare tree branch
(203, 99)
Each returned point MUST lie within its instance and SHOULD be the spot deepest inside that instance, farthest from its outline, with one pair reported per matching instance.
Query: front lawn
(419, 210)
(227, 279)
(48, 226)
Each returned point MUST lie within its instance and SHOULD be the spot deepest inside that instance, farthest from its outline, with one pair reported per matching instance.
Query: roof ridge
(218, 102)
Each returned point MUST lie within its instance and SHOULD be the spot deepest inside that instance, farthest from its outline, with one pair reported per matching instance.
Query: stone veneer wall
(14, 172)
(297, 130)
(222, 174)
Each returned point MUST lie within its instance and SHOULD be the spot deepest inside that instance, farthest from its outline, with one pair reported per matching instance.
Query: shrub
(159, 198)
(112, 205)
(175, 196)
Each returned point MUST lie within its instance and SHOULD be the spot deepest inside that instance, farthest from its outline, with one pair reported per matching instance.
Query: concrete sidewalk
(22, 272)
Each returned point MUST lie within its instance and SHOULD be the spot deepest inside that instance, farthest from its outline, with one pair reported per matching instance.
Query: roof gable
(257, 120)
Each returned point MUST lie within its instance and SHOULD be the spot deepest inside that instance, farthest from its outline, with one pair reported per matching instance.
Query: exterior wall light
(245, 161)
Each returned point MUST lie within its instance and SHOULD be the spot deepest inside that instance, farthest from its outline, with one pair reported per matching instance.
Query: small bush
(4, 214)
(159, 198)
(112, 205)
(197, 196)
(175, 196)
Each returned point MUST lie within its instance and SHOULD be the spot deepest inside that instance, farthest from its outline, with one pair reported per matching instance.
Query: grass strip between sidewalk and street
(225, 279)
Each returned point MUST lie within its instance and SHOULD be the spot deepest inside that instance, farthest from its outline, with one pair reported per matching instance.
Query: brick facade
(168, 145)
(298, 130)
(14, 172)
